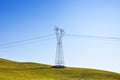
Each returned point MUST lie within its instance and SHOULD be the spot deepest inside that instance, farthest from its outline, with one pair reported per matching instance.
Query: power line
(25, 43)
(26, 40)
(48, 37)
(102, 37)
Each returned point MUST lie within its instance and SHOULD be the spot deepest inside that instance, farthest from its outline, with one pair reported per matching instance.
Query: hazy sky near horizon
(25, 19)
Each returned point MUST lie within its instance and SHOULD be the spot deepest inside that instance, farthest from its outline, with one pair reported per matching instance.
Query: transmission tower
(59, 60)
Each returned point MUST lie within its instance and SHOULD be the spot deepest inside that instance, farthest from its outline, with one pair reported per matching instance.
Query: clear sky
(25, 19)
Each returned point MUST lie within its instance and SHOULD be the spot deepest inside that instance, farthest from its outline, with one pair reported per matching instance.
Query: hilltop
(11, 70)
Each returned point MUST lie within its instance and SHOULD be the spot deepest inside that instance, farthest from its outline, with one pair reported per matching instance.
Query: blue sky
(24, 19)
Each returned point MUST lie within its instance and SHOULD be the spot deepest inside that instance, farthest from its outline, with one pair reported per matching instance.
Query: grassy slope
(10, 70)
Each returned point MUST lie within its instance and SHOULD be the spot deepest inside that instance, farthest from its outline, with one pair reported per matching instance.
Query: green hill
(10, 70)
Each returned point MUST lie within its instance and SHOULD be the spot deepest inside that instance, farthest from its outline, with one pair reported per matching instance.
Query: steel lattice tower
(59, 60)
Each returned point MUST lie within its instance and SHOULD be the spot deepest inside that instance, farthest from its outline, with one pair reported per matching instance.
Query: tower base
(58, 66)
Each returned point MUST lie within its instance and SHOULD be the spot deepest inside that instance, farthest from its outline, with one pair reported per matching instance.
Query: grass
(10, 70)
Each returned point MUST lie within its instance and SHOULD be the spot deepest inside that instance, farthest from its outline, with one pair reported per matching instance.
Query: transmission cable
(26, 43)
(26, 40)
(103, 37)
